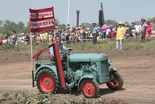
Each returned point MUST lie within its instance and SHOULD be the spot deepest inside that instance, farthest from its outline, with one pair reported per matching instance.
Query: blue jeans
(120, 44)
(81, 37)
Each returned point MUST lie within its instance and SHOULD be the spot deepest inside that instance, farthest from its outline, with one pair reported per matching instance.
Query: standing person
(50, 38)
(120, 35)
(77, 34)
(44, 36)
(138, 29)
(108, 33)
(143, 27)
(14, 38)
(149, 28)
(5, 41)
(27, 39)
(95, 32)
(82, 33)
(127, 31)
(133, 30)
(153, 28)
(1, 41)
(38, 39)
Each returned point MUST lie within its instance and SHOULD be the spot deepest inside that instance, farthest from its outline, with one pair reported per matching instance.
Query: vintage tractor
(81, 71)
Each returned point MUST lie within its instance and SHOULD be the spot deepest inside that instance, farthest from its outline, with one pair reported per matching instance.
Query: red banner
(41, 19)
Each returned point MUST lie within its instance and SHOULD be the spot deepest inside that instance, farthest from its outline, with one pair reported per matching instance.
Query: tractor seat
(50, 56)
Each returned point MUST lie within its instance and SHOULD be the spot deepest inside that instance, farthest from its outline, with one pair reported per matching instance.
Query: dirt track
(137, 69)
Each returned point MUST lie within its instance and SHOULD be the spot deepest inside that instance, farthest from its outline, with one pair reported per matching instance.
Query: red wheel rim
(46, 83)
(114, 84)
(88, 89)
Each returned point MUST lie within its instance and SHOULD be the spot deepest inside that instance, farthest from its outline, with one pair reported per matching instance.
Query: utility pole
(77, 21)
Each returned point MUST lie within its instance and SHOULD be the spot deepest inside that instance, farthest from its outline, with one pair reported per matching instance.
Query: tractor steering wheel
(64, 53)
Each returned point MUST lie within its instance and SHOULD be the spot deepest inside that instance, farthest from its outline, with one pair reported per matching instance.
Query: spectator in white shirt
(138, 29)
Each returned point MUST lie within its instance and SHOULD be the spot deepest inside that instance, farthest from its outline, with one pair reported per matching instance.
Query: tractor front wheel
(90, 88)
(116, 81)
(47, 81)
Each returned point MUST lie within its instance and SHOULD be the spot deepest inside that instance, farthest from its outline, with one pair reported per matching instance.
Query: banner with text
(41, 19)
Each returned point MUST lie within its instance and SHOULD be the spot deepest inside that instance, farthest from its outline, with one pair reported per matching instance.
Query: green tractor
(81, 71)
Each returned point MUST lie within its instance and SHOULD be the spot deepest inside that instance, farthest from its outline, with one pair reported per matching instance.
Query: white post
(68, 13)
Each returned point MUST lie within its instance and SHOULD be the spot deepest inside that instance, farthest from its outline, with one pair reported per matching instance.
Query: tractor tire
(47, 81)
(116, 83)
(90, 88)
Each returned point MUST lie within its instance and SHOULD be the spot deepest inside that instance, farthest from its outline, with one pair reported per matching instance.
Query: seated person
(61, 47)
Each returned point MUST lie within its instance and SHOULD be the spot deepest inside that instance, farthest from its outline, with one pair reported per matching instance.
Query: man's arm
(51, 51)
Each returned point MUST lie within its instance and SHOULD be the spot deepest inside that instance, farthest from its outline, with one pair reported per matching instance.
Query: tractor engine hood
(85, 57)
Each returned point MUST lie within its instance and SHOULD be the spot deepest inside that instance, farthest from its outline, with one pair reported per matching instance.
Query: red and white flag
(41, 19)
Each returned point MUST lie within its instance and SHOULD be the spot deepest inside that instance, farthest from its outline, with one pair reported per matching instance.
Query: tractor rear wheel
(117, 81)
(90, 88)
(47, 81)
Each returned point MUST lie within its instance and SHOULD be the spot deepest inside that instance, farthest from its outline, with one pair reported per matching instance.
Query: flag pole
(32, 68)
(31, 50)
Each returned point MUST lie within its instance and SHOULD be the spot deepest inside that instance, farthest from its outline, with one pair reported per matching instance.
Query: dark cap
(143, 20)
(93, 23)
(14, 31)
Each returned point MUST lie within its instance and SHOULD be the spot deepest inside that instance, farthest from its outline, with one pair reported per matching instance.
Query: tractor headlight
(94, 65)
(109, 62)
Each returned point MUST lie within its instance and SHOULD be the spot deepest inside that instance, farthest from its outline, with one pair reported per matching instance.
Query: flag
(41, 19)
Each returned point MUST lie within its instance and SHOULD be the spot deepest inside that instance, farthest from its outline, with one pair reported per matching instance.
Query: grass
(27, 98)
(110, 44)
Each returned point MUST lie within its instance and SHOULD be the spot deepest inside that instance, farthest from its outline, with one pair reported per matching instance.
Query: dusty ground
(137, 69)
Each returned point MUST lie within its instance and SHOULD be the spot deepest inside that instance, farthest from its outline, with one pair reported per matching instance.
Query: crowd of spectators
(16, 39)
(79, 34)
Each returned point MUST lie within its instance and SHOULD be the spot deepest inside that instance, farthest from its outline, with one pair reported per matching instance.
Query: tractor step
(64, 90)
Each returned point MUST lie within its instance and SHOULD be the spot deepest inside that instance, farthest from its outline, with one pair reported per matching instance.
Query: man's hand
(69, 49)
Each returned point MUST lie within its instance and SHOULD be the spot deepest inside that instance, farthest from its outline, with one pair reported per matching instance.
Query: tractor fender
(51, 67)
(113, 69)
(84, 77)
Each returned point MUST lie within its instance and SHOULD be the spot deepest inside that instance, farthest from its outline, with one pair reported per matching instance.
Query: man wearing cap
(95, 32)
(120, 35)
(143, 27)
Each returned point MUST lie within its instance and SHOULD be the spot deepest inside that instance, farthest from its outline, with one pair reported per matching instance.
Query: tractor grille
(104, 67)
(104, 72)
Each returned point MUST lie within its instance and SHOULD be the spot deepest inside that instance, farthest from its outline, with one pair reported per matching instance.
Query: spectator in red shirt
(0, 41)
(112, 34)
(148, 28)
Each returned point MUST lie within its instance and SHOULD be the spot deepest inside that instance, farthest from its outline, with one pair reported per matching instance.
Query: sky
(119, 10)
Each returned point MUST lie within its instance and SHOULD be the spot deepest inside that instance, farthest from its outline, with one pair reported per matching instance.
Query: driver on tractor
(61, 47)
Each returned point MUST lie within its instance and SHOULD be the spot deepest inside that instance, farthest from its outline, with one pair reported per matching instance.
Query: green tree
(62, 26)
(20, 27)
(1, 23)
(151, 19)
(126, 23)
(57, 21)
(87, 25)
(10, 25)
(27, 28)
(112, 22)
